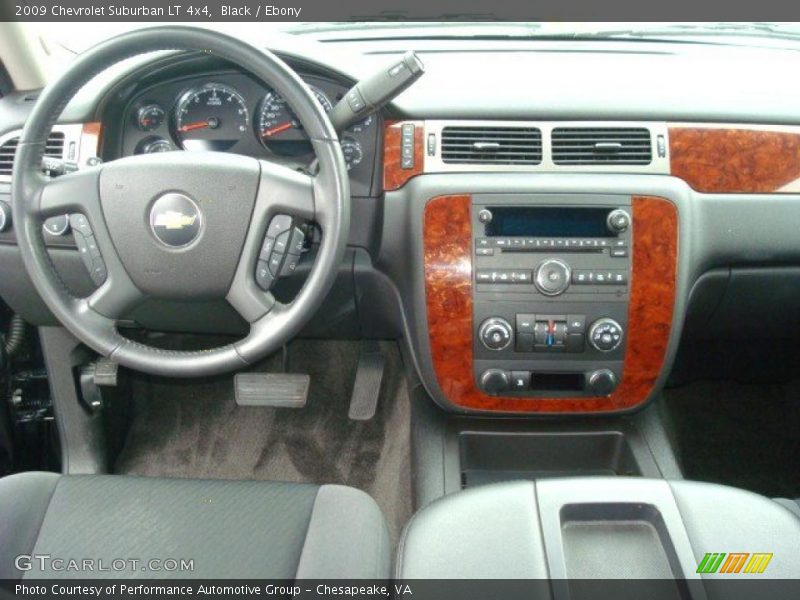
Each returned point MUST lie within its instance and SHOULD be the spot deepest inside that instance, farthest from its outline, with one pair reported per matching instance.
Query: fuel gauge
(150, 117)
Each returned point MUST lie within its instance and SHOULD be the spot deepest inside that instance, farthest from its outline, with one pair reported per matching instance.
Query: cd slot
(564, 250)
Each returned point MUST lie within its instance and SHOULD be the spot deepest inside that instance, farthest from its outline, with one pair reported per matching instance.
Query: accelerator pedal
(367, 386)
(277, 390)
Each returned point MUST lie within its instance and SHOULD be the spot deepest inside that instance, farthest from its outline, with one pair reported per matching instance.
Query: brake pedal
(367, 386)
(277, 390)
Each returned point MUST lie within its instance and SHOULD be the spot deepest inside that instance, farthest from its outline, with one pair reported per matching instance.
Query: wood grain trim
(447, 239)
(394, 176)
(90, 141)
(736, 160)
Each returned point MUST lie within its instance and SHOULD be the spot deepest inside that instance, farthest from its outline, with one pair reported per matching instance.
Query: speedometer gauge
(278, 127)
(211, 117)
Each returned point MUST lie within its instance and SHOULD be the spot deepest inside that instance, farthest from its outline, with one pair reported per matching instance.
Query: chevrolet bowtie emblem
(174, 220)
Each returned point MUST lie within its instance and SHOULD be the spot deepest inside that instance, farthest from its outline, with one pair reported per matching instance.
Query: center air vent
(602, 146)
(54, 148)
(492, 145)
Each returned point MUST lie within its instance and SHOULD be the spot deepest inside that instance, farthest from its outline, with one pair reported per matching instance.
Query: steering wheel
(183, 225)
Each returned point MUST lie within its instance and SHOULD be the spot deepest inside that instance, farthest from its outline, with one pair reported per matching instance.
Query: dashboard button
(524, 342)
(525, 323)
(520, 381)
(576, 323)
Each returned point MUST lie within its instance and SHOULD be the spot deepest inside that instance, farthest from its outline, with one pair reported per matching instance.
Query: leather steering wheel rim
(323, 198)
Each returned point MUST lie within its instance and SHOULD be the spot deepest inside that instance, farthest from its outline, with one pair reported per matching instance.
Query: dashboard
(713, 207)
(230, 111)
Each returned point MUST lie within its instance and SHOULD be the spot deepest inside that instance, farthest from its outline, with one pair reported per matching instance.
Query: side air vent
(602, 146)
(54, 148)
(492, 145)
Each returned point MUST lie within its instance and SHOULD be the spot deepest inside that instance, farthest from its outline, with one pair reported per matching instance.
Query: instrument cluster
(231, 112)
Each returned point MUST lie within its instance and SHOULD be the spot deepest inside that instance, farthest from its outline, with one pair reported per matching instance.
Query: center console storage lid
(601, 528)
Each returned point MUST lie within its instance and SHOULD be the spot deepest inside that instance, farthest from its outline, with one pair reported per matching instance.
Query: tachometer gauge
(353, 154)
(279, 129)
(211, 117)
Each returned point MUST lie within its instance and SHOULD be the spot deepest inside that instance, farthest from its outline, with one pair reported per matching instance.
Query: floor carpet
(195, 429)
(744, 435)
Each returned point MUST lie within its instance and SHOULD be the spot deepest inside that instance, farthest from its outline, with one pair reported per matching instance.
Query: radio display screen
(548, 222)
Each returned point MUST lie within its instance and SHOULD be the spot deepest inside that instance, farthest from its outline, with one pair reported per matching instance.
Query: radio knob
(494, 381)
(605, 334)
(602, 382)
(618, 220)
(552, 277)
(495, 333)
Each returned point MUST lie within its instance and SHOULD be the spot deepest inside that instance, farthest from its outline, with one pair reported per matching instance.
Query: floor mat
(743, 435)
(195, 429)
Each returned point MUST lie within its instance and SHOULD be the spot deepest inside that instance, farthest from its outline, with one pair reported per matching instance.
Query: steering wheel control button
(264, 278)
(495, 333)
(80, 224)
(175, 220)
(278, 225)
(266, 249)
(282, 242)
(274, 263)
(57, 225)
(605, 334)
(552, 277)
(98, 272)
(290, 264)
(297, 241)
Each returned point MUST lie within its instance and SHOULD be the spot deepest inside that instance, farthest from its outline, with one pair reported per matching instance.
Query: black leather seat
(229, 529)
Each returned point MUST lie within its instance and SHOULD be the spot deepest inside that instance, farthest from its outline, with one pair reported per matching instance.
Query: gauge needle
(193, 126)
(277, 129)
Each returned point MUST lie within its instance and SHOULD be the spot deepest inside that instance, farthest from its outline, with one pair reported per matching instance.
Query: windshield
(80, 36)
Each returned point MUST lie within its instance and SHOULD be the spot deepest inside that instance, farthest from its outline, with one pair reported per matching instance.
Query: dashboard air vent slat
(492, 145)
(602, 146)
(53, 148)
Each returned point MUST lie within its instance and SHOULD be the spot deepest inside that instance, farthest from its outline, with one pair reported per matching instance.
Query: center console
(549, 303)
(551, 293)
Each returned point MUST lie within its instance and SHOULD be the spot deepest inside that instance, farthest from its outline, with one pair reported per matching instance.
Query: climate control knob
(552, 277)
(495, 333)
(495, 381)
(602, 382)
(605, 334)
